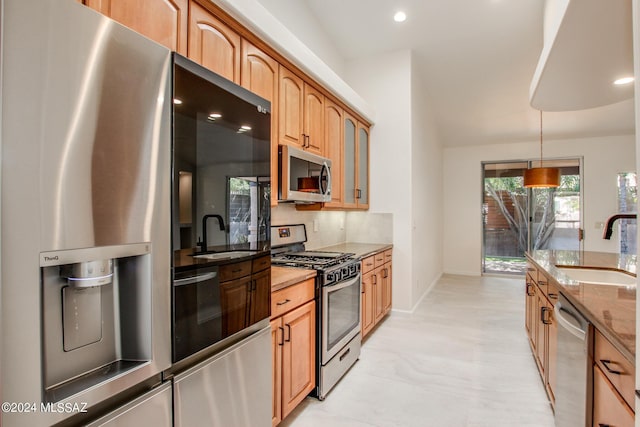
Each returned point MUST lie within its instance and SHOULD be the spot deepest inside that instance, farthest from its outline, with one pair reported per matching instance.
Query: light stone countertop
(281, 277)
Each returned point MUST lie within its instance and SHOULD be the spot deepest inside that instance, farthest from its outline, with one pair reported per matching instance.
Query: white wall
(426, 192)
(298, 18)
(404, 170)
(385, 82)
(604, 158)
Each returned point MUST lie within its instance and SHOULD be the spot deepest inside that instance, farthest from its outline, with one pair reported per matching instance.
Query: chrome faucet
(203, 244)
(608, 226)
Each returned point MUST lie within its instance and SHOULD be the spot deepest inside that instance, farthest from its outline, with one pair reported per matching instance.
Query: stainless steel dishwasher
(572, 366)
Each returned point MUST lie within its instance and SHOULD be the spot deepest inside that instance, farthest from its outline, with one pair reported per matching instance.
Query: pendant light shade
(541, 177)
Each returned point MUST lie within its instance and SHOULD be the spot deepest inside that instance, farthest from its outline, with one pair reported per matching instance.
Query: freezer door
(151, 409)
(232, 388)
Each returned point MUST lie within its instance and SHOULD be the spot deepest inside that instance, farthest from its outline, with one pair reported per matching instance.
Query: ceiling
(477, 59)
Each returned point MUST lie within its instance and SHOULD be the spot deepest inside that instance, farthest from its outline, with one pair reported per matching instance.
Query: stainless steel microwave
(304, 176)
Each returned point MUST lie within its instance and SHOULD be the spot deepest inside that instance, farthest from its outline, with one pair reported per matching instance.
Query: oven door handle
(195, 279)
(339, 285)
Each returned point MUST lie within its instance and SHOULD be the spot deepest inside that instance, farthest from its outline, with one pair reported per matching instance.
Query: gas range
(332, 267)
(288, 250)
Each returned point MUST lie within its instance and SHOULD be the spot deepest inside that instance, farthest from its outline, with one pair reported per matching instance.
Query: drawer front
(261, 263)
(618, 370)
(532, 271)
(368, 264)
(609, 409)
(543, 283)
(235, 271)
(378, 259)
(552, 293)
(291, 297)
(388, 255)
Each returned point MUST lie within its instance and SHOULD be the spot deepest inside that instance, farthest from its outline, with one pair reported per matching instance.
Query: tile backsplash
(326, 228)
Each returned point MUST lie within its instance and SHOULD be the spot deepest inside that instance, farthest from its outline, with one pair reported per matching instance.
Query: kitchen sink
(225, 255)
(598, 276)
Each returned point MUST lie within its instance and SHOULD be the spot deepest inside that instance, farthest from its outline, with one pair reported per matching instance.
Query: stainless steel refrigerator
(85, 212)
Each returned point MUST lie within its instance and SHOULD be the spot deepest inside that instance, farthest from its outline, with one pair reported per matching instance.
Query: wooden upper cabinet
(164, 21)
(259, 74)
(313, 120)
(290, 126)
(362, 190)
(213, 44)
(333, 147)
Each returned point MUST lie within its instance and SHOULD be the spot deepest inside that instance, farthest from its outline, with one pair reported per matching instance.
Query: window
(516, 219)
(627, 202)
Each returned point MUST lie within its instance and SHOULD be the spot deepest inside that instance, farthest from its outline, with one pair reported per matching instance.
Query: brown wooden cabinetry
(260, 74)
(212, 43)
(541, 325)
(333, 149)
(293, 331)
(164, 21)
(613, 385)
(301, 111)
(243, 287)
(355, 183)
(376, 289)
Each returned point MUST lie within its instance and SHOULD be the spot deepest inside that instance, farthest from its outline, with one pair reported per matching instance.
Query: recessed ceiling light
(214, 116)
(400, 16)
(623, 81)
(245, 127)
(177, 101)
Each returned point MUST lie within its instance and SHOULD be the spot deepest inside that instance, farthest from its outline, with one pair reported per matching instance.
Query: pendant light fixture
(541, 177)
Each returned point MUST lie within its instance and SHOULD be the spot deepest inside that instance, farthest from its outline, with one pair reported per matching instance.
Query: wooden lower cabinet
(367, 302)
(243, 287)
(541, 326)
(277, 342)
(609, 408)
(613, 385)
(376, 289)
(293, 336)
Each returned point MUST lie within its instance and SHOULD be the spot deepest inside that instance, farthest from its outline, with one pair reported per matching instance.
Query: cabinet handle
(281, 336)
(289, 329)
(531, 269)
(343, 355)
(375, 279)
(530, 288)
(606, 363)
(358, 193)
(603, 425)
(543, 315)
(308, 138)
(553, 296)
(284, 302)
(236, 270)
(542, 283)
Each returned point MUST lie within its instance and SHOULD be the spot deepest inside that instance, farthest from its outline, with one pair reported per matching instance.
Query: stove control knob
(330, 277)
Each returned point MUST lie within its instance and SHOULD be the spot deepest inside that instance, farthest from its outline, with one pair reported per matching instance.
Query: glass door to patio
(516, 219)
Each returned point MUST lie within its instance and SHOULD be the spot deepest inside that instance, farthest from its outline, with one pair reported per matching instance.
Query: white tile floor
(461, 359)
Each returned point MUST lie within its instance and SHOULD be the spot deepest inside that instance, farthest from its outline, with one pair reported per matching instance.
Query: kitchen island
(611, 309)
(566, 291)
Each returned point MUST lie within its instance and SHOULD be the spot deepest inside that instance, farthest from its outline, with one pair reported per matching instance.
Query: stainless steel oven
(340, 315)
